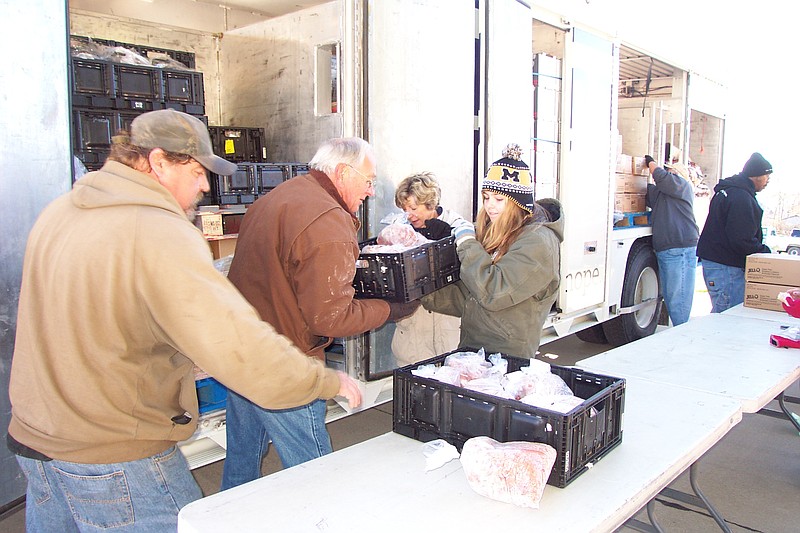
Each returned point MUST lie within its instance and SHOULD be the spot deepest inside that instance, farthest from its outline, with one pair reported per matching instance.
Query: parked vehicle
(779, 243)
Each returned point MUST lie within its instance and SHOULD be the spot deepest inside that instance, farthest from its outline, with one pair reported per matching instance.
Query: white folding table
(381, 485)
(725, 354)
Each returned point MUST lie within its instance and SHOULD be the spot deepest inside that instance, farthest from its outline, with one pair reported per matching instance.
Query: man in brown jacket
(295, 262)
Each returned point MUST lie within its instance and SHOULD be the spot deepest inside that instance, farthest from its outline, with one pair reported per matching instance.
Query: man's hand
(348, 388)
(399, 311)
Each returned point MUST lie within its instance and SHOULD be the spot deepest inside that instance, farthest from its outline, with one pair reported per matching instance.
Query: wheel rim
(646, 289)
(794, 251)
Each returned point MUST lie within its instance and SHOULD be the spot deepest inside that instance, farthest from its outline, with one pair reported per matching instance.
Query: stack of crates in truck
(114, 82)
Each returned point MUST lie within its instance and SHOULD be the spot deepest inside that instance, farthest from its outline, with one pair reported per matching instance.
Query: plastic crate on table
(211, 395)
(408, 275)
(426, 409)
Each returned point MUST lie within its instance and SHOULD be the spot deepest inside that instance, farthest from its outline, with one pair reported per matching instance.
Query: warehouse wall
(268, 80)
(36, 166)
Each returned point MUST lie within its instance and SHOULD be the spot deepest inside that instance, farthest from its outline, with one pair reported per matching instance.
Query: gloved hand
(401, 310)
(463, 231)
(648, 160)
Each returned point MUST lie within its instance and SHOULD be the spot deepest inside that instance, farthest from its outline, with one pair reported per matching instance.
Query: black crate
(183, 86)
(238, 144)
(405, 276)
(299, 168)
(270, 175)
(91, 158)
(138, 82)
(243, 179)
(256, 144)
(92, 78)
(426, 409)
(230, 142)
(93, 129)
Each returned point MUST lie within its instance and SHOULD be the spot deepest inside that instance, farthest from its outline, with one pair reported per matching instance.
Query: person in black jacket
(732, 232)
(675, 233)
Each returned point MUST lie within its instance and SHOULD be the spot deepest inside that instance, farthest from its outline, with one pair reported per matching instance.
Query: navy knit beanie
(756, 166)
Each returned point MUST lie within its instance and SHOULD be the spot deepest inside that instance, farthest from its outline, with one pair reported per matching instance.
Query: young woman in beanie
(509, 264)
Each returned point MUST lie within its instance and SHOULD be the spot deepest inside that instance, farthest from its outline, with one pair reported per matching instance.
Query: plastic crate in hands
(408, 275)
(426, 409)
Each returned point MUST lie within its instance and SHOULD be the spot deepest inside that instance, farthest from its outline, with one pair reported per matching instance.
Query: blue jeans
(298, 434)
(676, 269)
(135, 496)
(725, 285)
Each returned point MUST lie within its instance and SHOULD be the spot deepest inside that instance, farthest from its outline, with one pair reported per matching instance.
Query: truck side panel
(586, 185)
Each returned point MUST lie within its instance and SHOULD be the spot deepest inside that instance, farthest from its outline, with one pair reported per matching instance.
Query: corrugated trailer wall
(36, 166)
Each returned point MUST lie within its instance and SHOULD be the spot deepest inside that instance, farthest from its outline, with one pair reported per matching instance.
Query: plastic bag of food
(488, 385)
(511, 472)
(471, 365)
(401, 234)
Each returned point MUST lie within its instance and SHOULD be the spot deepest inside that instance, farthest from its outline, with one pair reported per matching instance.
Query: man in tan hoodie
(119, 300)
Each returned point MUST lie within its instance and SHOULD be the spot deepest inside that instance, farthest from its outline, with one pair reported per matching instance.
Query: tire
(594, 334)
(641, 283)
(793, 250)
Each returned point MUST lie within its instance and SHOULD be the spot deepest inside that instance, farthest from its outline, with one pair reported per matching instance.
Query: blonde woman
(425, 334)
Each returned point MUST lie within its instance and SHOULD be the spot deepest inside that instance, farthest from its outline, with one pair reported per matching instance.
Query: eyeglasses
(370, 181)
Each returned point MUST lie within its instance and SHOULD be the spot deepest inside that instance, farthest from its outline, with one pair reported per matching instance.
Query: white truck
(438, 86)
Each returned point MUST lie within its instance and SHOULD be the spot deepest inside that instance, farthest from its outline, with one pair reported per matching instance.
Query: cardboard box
(624, 164)
(627, 164)
(764, 296)
(773, 268)
(629, 203)
(631, 184)
(222, 247)
(209, 223)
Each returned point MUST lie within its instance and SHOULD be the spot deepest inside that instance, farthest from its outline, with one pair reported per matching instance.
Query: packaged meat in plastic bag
(488, 385)
(521, 384)
(471, 365)
(560, 403)
(402, 234)
(511, 472)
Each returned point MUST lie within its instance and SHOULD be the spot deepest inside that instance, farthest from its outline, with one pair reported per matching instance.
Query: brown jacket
(295, 262)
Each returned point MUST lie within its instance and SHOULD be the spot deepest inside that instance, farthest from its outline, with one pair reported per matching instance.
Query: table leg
(651, 515)
(717, 517)
(791, 416)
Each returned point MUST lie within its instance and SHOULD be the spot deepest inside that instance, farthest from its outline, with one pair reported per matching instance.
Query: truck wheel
(594, 334)
(793, 250)
(640, 284)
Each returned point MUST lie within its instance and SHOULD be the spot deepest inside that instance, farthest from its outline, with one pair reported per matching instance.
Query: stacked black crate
(244, 146)
(108, 95)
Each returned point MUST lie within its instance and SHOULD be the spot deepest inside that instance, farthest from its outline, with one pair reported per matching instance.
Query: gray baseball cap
(178, 132)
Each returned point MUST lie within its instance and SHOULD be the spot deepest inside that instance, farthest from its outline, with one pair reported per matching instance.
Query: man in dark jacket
(732, 232)
(675, 235)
